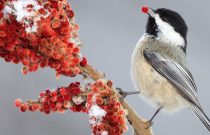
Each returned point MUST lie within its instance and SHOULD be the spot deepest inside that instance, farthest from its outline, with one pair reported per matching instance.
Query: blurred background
(109, 30)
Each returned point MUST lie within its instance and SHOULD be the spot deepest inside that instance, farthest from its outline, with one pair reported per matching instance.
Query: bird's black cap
(171, 17)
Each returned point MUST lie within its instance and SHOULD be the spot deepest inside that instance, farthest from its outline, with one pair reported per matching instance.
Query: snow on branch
(43, 33)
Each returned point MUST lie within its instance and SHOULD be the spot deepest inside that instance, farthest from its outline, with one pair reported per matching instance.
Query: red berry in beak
(145, 9)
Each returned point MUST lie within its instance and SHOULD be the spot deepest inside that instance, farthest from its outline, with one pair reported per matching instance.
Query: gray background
(109, 31)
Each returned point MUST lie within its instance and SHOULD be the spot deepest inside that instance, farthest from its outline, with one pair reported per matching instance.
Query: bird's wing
(175, 73)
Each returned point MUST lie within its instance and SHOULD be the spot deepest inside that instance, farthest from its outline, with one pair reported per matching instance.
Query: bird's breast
(151, 84)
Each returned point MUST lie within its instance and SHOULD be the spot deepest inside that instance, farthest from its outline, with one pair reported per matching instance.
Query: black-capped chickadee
(158, 66)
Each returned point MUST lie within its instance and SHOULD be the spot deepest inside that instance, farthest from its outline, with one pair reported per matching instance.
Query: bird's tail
(201, 115)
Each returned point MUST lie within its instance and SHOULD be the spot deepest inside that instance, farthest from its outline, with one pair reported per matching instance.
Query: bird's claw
(148, 124)
(125, 94)
(122, 93)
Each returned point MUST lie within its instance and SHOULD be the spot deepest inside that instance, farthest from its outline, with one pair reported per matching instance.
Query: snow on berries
(106, 114)
(40, 34)
(25, 12)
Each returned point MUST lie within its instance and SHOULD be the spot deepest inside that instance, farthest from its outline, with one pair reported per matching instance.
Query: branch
(139, 125)
(48, 37)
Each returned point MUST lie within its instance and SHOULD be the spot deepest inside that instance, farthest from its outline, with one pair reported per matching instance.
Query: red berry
(76, 50)
(53, 93)
(26, 62)
(46, 107)
(24, 107)
(70, 14)
(83, 62)
(54, 4)
(42, 11)
(109, 83)
(99, 101)
(75, 91)
(75, 60)
(63, 91)
(18, 102)
(100, 84)
(42, 94)
(47, 92)
(76, 27)
(78, 107)
(46, 99)
(52, 105)
(145, 9)
(30, 108)
(2, 34)
(67, 97)
(53, 99)
(59, 105)
(60, 99)
(35, 107)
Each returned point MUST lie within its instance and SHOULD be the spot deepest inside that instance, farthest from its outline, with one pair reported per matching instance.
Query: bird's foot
(149, 124)
(125, 94)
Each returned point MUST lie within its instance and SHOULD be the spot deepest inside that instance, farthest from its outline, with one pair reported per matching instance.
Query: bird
(159, 68)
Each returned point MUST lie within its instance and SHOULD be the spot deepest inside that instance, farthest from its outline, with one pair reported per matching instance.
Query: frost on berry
(40, 34)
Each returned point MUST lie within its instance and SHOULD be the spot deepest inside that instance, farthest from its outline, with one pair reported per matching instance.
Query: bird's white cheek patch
(167, 33)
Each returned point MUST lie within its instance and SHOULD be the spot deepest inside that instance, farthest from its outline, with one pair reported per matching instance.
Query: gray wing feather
(178, 75)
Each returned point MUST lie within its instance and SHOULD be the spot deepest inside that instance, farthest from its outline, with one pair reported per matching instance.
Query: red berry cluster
(59, 100)
(53, 43)
(98, 100)
(102, 96)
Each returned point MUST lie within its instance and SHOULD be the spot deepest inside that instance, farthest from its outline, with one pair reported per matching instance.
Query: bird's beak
(151, 12)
